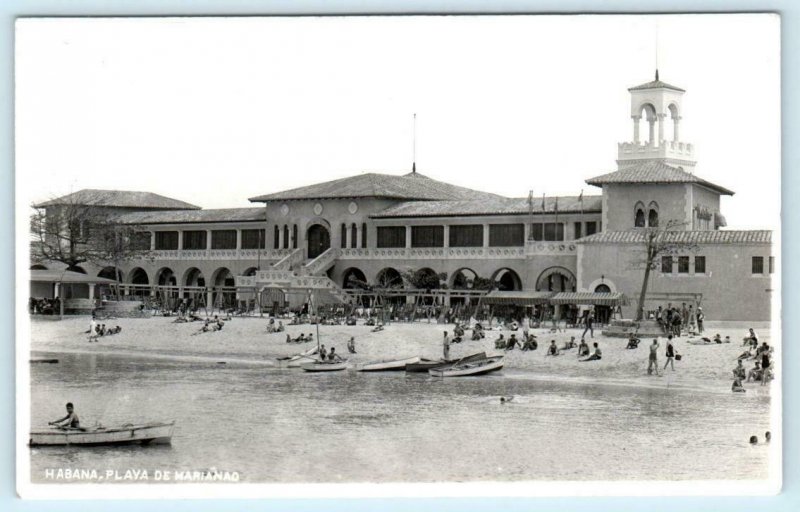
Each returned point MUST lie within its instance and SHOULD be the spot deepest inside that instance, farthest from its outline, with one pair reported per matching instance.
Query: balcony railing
(221, 254)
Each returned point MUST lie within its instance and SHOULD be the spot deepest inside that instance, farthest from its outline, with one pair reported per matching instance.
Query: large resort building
(372, 229)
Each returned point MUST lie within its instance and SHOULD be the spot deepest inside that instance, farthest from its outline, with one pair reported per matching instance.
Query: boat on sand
(145, 434)
(388, 365)
(480, 367)
(324, 366)
(427, 364)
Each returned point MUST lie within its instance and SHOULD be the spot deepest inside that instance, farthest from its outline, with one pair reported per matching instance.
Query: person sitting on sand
(717, 338)
(530, 343)
(378, 327)
(289, 339)
(500, 342)
(552, 350)
(512, 342)
(737, 387)
(458, 331)
(370, 322)
(739, 371)
(351, 345)
(633, 342)
(351, 321)
(70, 421)
(569, 345)
(745, 355)
(280, 327)
(583, 348)
(513, 325)
(598, 354)
(755, 373)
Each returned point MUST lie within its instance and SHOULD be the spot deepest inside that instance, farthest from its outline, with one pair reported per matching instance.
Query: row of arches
(555, 279)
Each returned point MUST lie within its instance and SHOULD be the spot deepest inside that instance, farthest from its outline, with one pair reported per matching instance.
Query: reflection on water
(274, 425)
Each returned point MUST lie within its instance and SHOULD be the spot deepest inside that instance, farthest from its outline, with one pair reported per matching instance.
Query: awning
(57, 276)
(590, 299)
(518, 298)
(719, 220)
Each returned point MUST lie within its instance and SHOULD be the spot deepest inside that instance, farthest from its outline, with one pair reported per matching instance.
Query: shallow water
(285, 425)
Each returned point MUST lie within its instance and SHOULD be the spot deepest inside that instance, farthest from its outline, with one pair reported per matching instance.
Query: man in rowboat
(69, 421)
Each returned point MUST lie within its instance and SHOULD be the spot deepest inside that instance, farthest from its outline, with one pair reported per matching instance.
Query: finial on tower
(656, 74)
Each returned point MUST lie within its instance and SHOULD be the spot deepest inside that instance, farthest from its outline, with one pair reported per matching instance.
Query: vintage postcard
(398, 256)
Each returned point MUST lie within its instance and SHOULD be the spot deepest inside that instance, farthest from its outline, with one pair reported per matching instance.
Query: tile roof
(653, 171)
(491, 206)
(655, 84)
(119, 199)
(408, 186)
(635, 236)
(194, 216)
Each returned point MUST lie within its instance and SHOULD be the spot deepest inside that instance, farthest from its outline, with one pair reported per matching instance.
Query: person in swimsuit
(583, 348)
(737, 387)
(739, 371)
(70, 421)
(670, 354)
(333, 356)
(446, 347)
(323, 354)
(351, 345)
(598, 354)
(765, 364)
(552, 350)
(653, 361)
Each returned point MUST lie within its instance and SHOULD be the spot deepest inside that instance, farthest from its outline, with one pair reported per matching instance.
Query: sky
(213, 111)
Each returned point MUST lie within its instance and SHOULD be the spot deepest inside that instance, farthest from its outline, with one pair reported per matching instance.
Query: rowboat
(388, 365)
(480, 367)
(324, 366)
(146, 433)
(426, 364)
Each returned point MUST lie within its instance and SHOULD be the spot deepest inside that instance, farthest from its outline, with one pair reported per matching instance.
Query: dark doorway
(319, 240)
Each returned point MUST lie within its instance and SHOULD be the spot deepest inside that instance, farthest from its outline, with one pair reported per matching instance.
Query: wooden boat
(480, 367)
(388, 365)
(426, 364)
(146, 433)
(324, 366)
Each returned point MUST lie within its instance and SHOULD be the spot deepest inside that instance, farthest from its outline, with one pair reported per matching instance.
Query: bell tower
(655, 104)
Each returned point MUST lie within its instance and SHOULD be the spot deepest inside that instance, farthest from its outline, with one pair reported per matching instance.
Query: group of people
(44, 306)
(272, 327)
(97, 330)
(652, 362)
(673, 319)
(762, 368)
(300, 339)
(210, 325)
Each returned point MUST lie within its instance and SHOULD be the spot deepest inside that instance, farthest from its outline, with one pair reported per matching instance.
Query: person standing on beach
(589, 323)
(653, 362)
(446, 347)
(700, 318)
(670, 354)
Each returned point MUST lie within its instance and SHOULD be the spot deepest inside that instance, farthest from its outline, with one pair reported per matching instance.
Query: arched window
(639, 220)
(277, 236)
(652, 215)
(353, 236)
(285, 236)
(294, 236)
(344, 235)
(652, 218)
(364, 235)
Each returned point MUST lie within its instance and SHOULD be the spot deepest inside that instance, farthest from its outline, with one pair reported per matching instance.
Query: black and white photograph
(398, 256)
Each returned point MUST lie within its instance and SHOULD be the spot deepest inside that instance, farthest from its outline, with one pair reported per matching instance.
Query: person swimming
(753, 440)
(504, 400)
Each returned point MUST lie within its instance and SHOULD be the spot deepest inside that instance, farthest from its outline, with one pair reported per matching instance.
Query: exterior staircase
(320, 265)
(289, 261)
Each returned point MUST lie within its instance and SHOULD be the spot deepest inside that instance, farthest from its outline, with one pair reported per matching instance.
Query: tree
(424, 279)
(658, 243)
(73, 233)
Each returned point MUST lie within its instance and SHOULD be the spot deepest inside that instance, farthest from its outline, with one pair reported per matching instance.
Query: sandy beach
(245, 341)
